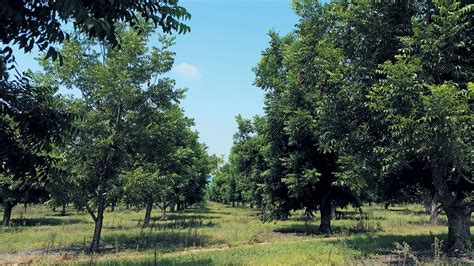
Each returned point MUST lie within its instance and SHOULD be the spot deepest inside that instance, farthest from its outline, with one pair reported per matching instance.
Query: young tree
(111, 82)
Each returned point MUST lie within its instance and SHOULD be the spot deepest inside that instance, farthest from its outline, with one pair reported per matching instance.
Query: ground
(212, 233)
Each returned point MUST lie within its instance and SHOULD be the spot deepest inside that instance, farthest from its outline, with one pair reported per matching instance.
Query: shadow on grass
(441, 221)
(46, 221)
(182, 224)
(405, 211)
(372, 244)
(161, 261)
(159, 240)
(178, 217)
(301, 229)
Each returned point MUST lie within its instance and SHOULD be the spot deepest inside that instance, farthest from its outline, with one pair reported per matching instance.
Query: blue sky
(214, 61)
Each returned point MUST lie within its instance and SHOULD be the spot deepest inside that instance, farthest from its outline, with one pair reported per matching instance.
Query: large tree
(425, 102)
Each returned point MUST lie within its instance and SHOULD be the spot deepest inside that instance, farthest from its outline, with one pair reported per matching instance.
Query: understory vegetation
(216, 234)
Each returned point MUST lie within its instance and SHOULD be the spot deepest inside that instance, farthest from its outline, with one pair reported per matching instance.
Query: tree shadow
(48, 221)
(162, 241)
(373, 244)
(168, 261)
(301, 229)
(406, 211)
(178, 217)
(182, 224)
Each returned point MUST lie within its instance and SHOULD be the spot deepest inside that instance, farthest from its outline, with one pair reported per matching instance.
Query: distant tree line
(364, 101)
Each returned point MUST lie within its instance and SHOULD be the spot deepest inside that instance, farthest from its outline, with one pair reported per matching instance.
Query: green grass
(215, 234)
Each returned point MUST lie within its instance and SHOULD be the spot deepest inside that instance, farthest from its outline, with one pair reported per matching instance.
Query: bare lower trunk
(434, 210)
(163, 213)
(325, 226)
(97, 229)
(7, 213)
(63, 209)
(458, 211)
(98, 220)
(333, 212)
(459, 233)
(149, 207)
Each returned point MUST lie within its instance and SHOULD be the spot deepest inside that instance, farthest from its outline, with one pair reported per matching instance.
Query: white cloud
(187, 71)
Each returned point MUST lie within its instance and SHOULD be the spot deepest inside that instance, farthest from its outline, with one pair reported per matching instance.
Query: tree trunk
(459, 233)
(98, 220)
(333, 211)
(457, 211)
(7, 213)
(112, 206)
(386, 205)
(434, 210)
(172, 207)
(63, 209)
(149, 207)
(97, 229)
(163, 212)
(325, 226)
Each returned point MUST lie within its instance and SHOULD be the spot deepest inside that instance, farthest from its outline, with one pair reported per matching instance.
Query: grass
(215, 234)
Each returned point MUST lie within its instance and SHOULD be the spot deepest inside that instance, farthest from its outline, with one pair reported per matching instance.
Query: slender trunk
(149, 207)
(7, 213)
(98, 220)
(63, 209)
(434, 210)
(172, 207)
(163, 212)
(333, 211)
(325, 226)
(386, 205)
(112, 206)
(97, 229)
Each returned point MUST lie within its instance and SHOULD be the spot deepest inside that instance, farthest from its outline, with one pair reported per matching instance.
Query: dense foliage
(363, 101)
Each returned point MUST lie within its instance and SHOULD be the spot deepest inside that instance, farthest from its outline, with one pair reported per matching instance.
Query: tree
(403, 115)
(424, 101)
(293, 72)
(112, 84)
(40, 22)
(32, 124)
(247, 158)
(169, 165)
(28, 124)
(13, 191)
